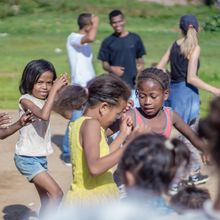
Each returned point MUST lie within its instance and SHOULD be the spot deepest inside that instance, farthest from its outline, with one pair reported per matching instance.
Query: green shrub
(212, 24)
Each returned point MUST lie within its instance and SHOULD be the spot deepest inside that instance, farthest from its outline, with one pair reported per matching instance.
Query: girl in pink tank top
(152, 90)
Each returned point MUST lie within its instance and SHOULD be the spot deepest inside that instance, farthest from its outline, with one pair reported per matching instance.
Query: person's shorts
(30, 166)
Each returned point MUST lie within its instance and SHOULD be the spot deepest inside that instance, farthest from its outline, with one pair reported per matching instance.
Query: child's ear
(103, 108)
(166, 94)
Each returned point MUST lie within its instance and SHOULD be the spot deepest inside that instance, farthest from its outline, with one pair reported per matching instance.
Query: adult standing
(183, 56)
(122, 52)
(80, 56)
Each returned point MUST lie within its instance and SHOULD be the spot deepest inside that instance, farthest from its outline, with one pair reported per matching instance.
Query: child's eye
(141, 96)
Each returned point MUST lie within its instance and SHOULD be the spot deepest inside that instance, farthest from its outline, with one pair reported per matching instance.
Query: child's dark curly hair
(153, 161)
(190, 197)
(158, 75)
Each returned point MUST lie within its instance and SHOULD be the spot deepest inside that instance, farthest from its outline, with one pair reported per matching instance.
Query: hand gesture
(130, 104)
(60, 82)
(139, 130)
(4, 119)
(118, 70)
(26, 118)
(126, 124)
(95, 20)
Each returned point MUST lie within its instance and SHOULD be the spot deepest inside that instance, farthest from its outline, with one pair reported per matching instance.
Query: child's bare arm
(91, 35)
(4, 119)
(90, 142)
(11, 129)
(44, 113)
(185, 129)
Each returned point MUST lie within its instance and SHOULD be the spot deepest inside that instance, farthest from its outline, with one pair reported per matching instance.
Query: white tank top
(34, 139)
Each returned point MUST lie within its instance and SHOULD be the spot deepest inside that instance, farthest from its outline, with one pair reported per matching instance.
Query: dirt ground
(18, 198)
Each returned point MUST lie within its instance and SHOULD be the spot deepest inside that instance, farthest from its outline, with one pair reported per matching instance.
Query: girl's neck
(150, 116)
(93, 113)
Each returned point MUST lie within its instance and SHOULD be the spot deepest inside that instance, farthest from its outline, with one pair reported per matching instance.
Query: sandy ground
(18, 198)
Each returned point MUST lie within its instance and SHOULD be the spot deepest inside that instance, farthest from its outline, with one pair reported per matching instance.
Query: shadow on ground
(17, 212)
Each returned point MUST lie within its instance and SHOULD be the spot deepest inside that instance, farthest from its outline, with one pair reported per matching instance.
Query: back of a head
(209, 128)
(189, 26)
(70, 98)
(162, 77)
(107, 88)
(153, 161)
(115, 13)
(84, 19)
(190, 198)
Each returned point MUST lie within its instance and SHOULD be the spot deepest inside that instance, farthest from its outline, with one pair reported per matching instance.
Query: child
(190, 198)
(8, 130)
(38, 87)
(91, 157)
(152, 90)
(148, 167)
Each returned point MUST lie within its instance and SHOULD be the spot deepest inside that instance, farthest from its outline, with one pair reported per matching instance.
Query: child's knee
(56, 194)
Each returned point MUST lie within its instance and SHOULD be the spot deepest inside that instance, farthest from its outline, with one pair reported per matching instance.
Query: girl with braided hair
(152, 86)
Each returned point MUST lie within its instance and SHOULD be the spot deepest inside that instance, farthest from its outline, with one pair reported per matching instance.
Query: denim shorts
(30, 166)
(184, 99)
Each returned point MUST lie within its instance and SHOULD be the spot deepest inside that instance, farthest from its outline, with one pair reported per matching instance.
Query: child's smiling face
(43, 85)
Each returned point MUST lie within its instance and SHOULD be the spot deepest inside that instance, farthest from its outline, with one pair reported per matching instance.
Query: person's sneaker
(198, 179)
(66, 161)
(174, 189)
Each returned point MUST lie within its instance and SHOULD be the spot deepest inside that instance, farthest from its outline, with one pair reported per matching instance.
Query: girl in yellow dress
(91, 157)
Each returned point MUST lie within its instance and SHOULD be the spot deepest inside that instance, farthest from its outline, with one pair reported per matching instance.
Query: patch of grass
(35, 33)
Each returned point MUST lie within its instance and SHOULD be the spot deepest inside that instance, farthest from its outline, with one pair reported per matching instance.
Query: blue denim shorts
(30, 166)
(184, 99)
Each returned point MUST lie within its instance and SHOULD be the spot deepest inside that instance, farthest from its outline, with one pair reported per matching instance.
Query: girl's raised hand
(130, 104)
(126, 124)
(4, 119)
(139, 130)
(60, 82)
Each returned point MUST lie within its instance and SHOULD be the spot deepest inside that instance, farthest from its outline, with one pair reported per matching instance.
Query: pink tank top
(168, 127)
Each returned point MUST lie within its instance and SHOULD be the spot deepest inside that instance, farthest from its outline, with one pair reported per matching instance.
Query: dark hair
(158, 75)
(107, 88)
(104, 88)
(84, 19)
(154, 160)
(70, 98)
(209, 128)
(115, 13)
(33, 70)
(190, 197)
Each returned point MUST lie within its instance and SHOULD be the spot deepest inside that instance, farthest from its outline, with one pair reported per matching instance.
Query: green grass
(36, 31)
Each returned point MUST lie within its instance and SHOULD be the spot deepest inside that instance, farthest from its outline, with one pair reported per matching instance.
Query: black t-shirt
(178, 64)
(123, 51)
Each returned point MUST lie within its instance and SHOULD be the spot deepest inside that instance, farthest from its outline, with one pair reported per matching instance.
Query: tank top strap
(168, 128)
(138, 119)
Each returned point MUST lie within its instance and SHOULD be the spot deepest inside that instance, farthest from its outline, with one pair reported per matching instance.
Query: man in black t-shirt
(122, 52)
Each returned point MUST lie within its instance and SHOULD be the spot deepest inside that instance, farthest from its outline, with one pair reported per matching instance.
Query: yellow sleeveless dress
(86, 188)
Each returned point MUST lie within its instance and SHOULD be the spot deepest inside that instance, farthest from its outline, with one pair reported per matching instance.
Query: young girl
(148, 167)
(91, 157)
(38, 87)
(152, 90)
